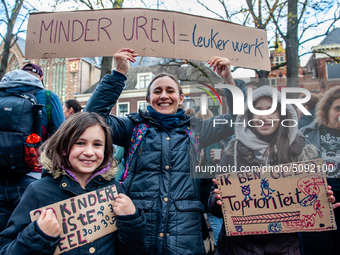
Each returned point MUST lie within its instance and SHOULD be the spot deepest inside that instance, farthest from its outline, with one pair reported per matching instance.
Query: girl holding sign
(265, 141)
(77, 160)
(161, 144)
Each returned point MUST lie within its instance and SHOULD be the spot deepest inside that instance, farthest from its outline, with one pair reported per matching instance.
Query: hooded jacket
(25, 237)
(243, 151)
(159, 179)
(19, 80)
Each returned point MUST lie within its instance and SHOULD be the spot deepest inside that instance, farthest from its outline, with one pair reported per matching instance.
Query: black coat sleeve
(103, 99)
(21, 235)
(131, 231)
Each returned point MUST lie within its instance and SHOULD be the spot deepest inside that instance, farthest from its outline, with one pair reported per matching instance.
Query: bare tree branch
(206, 7)
(225, 9)
(326, 33)
(6, 10)
(337, 59)
(303, 10)
(271, 10)
(143, 3)
(15, 40)
(275, 21)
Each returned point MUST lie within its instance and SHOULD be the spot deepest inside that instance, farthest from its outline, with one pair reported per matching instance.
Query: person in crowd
(159, 143)
(57, 116)
(264, 142)
(190, 111)
(71, 107)
(24, 81)
(324, 134)
(78, 159)
(119, 157)
(206, 183)
(310, 106)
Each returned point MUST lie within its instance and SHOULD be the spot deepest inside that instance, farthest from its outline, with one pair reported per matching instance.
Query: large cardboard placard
(276, 199)
(83, 218)
(149, 32)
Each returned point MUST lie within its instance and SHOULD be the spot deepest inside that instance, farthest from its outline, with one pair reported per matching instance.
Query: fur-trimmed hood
(58, 171)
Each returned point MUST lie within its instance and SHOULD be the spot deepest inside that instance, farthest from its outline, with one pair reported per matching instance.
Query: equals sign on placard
(184, 38)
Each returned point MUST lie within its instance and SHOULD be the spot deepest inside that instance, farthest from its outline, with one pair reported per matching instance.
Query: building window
(143, 80)
(142, 105)
(197, 104)
(216, 109)
(333, 70)
(59, 78)
(277, 59)
(282, 59)
(272, 81)
(123, 109)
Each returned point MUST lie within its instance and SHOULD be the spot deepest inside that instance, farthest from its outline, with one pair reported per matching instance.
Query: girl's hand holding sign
(48, 223)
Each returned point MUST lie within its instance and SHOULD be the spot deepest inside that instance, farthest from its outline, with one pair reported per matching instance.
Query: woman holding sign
(158, 143)
(265, 141)
(80, 169)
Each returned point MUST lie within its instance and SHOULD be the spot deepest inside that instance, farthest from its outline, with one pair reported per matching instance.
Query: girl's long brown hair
(279, 147)
(57, 148)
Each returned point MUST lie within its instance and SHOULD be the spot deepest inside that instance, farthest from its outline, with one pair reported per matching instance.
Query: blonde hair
(205, 116)
(190, 111)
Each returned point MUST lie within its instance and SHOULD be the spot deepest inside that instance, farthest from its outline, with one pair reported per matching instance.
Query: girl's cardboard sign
(83, 218)
(149, 32)
(276, 199)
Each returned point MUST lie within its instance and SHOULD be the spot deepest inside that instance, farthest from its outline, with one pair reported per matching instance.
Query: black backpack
(20, 117)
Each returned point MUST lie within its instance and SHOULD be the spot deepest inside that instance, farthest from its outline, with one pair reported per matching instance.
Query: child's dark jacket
(24, 237)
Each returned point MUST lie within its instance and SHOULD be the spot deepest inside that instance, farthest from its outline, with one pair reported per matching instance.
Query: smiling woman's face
(165, 96)
(271, 121)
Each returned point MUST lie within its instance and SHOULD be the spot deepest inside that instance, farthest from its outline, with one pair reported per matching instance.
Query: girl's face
(270, 122)
(67, 111)
(87, 153)
(164, 95)
(333, 115)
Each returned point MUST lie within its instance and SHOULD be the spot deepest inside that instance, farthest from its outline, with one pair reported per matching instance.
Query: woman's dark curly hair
(322, 108)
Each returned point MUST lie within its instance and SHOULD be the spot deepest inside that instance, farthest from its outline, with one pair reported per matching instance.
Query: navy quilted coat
(159, 179)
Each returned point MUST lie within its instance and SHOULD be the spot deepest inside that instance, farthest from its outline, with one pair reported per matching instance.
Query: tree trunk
(5, 52)
(292, 47)
(106, 66)
(107, 61)
(9, 36)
